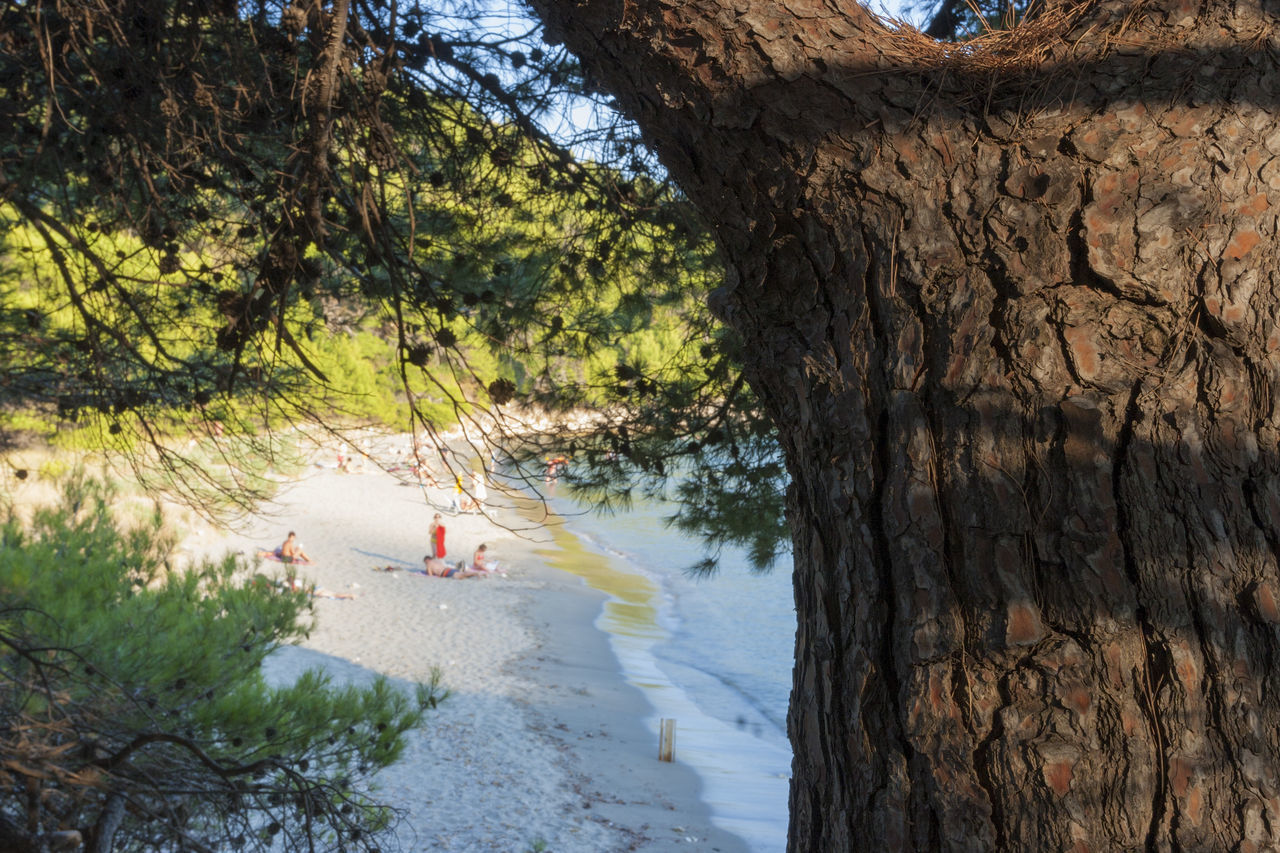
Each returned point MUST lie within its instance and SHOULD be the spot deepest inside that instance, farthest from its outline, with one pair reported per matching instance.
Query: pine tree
(1010, 304)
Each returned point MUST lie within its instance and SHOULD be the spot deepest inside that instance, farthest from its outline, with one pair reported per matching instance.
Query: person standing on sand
(479, 492)
(455, 499)
(435, 534)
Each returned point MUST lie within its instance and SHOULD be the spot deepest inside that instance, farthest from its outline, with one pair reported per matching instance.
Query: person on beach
(455, 505)
(480, 562)
(435, 535)
(478, 491)
(291, 551)
(440, 569)
(416, 463)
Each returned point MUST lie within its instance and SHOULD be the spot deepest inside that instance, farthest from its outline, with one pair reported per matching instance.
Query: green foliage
(669, 414)
(363, 377)
(433, 692)
(360, 218)
(53, 469)
(145, 686)
(274, 163)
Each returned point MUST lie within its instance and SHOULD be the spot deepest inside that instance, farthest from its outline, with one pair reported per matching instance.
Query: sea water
(716, 656)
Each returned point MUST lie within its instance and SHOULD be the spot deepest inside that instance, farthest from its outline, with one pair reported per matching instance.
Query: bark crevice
(886, 722)
(1259, 515)
(884, 562)
(983, 761)
(1154, 666)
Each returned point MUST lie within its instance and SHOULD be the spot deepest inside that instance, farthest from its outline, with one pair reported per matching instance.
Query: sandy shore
(542, 745)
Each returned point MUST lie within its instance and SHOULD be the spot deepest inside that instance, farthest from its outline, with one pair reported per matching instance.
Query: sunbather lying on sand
(438, 568)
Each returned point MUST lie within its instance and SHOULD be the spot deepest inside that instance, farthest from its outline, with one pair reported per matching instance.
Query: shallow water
(714, 654)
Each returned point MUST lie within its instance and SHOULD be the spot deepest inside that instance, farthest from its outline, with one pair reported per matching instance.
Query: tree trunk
(1018, 331)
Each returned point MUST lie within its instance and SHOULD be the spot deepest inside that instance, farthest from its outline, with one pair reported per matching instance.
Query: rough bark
(1019, 335)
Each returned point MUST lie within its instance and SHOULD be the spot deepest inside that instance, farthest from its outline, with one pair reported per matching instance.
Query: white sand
(542, 744)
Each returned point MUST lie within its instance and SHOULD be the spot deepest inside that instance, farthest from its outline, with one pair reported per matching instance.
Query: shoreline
(744, 774)
(543, 744)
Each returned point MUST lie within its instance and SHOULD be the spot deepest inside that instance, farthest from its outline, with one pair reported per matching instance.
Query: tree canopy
(198, 196)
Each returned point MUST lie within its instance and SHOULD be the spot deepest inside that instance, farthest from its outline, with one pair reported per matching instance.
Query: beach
(542, 744)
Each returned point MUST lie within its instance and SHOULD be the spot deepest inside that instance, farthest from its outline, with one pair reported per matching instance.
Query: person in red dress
(436, 536)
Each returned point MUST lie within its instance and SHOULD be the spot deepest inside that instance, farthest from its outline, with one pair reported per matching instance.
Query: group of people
(461, 499)
(291, 551)
(555, 468)
(472, 502)
(435, 565)
(347, 457)
(420, 467)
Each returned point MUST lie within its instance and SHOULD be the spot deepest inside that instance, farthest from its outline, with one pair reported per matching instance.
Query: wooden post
(667, 740)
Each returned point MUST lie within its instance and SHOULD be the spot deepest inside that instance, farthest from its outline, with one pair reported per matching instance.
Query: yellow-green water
(632, 607)
(688, 648)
